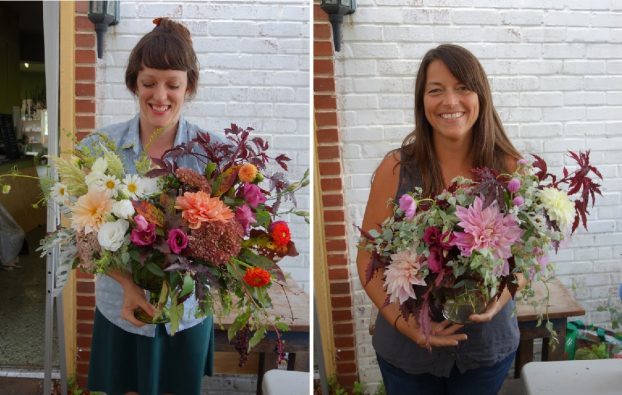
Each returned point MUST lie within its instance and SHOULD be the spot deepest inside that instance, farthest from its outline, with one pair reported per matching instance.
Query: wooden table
(561, 305)
(293, 305)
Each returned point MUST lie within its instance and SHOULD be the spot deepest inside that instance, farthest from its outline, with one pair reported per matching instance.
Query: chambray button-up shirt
(108, 292)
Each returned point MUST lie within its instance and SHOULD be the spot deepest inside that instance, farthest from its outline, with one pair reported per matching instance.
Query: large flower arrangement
(468, 243)
(215, 234)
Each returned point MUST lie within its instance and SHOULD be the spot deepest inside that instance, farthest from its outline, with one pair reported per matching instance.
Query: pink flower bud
(514, 185)
(518, 201)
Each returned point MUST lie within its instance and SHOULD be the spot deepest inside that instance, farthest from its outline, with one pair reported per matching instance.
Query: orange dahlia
(256, 277)
(90, 211)
(247, 172)
(199, 207)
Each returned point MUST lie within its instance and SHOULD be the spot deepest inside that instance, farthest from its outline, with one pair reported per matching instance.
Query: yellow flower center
(109, 184)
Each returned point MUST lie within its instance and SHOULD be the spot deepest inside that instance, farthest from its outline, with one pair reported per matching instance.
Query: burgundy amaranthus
(216, 241)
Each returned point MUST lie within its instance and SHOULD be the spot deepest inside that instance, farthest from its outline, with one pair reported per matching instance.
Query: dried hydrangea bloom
(216, 241)
(88, 246)
(194, 179)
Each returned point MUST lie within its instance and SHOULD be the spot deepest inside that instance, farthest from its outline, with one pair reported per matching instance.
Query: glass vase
(462, 304)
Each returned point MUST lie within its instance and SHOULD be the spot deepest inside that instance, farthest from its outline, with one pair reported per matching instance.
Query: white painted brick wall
(556, 75)
(254, 58)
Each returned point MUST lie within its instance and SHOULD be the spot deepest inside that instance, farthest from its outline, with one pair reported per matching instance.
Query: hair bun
(170, 26)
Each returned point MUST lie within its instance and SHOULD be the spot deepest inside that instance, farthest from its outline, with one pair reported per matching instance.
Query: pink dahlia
(486, 228)
(401, 275)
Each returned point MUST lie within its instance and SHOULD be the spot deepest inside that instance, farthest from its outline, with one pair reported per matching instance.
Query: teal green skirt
(122, 361)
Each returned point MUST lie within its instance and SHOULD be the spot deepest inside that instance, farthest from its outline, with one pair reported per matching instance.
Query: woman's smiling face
(450, 107)
(161, 94)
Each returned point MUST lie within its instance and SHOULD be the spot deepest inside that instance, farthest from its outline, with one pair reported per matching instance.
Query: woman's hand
(442, 334)
(133, 298)
(494, 306)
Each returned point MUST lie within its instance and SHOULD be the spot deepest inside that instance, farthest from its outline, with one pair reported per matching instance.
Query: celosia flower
(408, 206)
(253, 195)
(401, 275)
(486, 228)
(199, 207)
(177, 240)
(256, 277)
(514, 185)
(194, 179)
(280, 233)
(247, 172)
(558, 206)
(216, 242)
(90, 211)
(245, 216)
(144, 233)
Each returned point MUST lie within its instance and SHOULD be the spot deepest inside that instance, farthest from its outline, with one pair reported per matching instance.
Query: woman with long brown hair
(457, 129)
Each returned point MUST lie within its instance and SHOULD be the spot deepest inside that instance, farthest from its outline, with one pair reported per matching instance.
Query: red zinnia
(256, 277)
(280, 233)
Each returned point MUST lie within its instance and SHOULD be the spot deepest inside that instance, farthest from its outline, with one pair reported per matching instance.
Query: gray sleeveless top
(487, 344)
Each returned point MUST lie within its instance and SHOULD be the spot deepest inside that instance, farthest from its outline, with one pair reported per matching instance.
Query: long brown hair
(167, 47)
(490, 145)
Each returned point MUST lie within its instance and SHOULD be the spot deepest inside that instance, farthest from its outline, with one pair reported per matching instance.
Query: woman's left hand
(494, 306)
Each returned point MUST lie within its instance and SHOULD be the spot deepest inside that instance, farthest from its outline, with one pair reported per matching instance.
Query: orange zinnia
(247, 172)
(256, 277)
(199, 207)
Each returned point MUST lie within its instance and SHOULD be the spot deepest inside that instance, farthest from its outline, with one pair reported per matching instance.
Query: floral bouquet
(214, 234)
(462, 248)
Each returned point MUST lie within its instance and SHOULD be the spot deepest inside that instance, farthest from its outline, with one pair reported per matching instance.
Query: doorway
(23, 144)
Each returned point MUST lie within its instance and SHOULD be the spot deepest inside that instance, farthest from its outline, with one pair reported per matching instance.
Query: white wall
(254, 58)
(556, 73)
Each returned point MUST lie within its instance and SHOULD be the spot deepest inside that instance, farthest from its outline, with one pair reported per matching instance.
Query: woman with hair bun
(127, 355)
(457, 129)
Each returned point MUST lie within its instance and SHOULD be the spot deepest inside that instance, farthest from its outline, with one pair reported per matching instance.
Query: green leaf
(238, 323)
(176, 312)
(262, 217)
(257, 336)
(188, 285)
(209, 169)
(249, 256)
(155, 269)
(283, 327)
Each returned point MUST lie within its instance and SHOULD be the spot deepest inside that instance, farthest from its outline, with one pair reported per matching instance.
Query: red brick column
(85, 62)
(331, 179)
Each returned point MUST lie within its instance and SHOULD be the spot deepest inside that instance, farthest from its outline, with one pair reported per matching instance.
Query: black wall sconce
(103, 14)
(336, 9)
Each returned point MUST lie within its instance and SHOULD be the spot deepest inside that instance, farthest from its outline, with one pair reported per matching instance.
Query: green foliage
(334, 388)
(596, 351)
